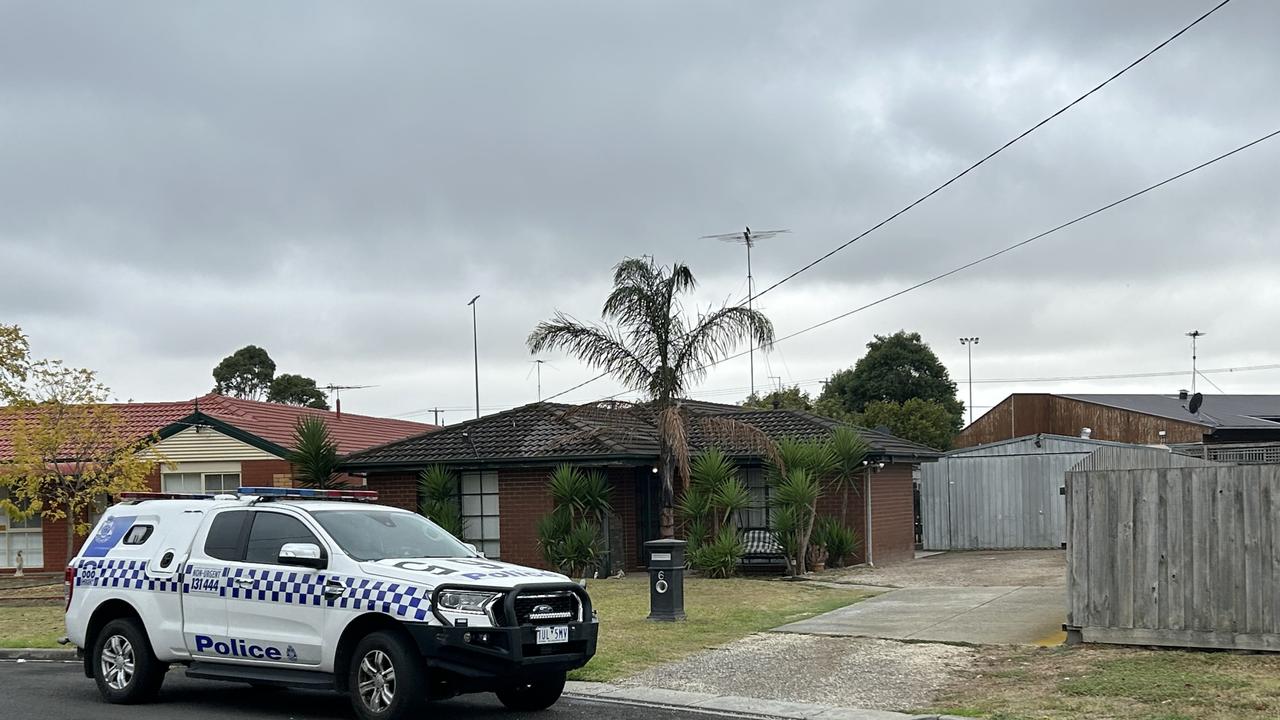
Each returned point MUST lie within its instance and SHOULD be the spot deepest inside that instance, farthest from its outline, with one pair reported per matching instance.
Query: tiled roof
(542, 431)
(272, 422)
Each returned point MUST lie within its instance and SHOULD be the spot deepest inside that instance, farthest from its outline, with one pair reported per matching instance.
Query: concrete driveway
(970, 615)
(979, 598)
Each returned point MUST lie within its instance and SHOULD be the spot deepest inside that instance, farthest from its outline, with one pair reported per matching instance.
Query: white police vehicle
(314, 589)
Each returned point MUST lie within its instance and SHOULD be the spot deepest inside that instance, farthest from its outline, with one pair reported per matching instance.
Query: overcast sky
(334, 181)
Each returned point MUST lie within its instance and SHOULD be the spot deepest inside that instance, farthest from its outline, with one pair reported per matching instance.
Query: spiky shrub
(839, 541)
(795, 499)
(721, 556)
(850, 452)
(709, 510)
(315, 454)
(570, 535)
(438, 499)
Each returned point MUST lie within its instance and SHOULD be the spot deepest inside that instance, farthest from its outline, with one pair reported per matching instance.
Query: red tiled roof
(272, 422)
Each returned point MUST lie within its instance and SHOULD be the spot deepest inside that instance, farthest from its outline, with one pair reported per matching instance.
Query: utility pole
(1194, 334)
(475, 349)
(748, 238)
(969, 342)
(435, 416)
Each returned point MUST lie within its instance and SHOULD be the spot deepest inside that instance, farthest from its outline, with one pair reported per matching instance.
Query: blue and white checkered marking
(125, 574)
(402, 600)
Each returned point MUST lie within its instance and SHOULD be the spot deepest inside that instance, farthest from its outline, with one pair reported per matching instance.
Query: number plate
(553, 634)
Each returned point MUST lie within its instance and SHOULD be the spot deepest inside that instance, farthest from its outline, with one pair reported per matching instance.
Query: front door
(276, 613)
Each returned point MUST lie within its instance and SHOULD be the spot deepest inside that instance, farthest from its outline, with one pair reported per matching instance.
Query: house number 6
(661, 585)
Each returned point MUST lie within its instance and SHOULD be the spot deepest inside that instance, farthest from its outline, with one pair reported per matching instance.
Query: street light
(969, 343)
(475, 349)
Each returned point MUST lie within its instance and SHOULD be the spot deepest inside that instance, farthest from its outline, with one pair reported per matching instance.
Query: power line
(995, 152)
(998, 253)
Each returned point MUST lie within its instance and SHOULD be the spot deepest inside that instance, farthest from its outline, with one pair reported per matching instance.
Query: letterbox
(666, 580)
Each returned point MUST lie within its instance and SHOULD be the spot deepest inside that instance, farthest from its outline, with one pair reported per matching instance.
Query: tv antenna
(337, 394)
(748, 237)
(537, 367)
(1194, 334)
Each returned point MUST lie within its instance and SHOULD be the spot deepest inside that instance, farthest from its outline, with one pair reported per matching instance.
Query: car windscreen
(382, 534)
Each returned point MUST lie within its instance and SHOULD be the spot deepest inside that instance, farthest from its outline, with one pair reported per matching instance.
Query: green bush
(438, 499)
(840, 542)
(570, 536)
(720, 557)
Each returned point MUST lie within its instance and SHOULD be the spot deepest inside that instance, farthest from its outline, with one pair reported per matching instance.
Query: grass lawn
(1115, 682)
(719, 611)
(38, 626)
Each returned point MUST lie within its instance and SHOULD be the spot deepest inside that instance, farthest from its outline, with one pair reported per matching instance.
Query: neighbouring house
(210, 444)
(1223, 426)
(504, 460)
(1010, 494)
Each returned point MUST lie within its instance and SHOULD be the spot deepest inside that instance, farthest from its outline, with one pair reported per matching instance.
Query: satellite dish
(1193, 407)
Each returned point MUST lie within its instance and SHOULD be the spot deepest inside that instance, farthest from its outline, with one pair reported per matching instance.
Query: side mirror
(474, 549)
(303, 555)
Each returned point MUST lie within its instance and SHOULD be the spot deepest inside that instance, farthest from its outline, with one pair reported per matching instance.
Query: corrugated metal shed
(1007, 495)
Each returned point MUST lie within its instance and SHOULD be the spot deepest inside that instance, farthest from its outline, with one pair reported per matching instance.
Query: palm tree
(315, 454)
(648, 344)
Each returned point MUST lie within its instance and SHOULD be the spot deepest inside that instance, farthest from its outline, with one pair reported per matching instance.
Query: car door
(205, 583)
(276, 613)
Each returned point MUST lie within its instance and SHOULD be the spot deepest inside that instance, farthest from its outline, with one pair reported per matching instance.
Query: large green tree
(649, 344)
(296, 390)
(15, 360)
(792, 398)
(927, 422)
(245, 373)
(896, 368)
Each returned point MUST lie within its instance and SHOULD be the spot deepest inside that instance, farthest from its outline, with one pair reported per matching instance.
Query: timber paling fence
(1186, 557)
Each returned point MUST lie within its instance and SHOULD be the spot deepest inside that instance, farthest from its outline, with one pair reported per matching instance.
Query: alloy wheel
(117, 662)
(376, 681)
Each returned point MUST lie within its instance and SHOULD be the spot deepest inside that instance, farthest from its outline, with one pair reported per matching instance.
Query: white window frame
(31, 532)
(204, 480)
(478, 499)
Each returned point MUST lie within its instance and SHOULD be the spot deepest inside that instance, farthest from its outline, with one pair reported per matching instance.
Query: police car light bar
(309, 494)
(163, 496)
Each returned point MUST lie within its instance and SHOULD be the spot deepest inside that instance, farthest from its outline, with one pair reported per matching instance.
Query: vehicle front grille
(547, 608)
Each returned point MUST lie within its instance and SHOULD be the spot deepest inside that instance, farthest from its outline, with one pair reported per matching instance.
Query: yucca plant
(438, 499)
(709, 510)
(795, 496)
(570, 535)
(840, 541)
(850, 451)
(315, 454)
(720, 557)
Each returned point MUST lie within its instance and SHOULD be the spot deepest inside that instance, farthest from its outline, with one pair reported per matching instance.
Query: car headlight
(467, 602)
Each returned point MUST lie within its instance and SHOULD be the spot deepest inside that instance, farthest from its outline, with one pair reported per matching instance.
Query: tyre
(124, 668)
(386, 679)
(533, 694)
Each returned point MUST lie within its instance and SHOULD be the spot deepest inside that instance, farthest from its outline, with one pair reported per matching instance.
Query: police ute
(319, 589)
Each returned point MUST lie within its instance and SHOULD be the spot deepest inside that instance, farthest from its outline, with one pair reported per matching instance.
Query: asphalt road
(58, 691)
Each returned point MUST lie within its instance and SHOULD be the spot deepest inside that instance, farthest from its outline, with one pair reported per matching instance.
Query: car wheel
(386, 679)
(124, 668)
(533, 694)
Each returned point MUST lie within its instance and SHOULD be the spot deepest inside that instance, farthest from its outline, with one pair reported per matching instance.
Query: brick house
(504, 461)
(208, 444)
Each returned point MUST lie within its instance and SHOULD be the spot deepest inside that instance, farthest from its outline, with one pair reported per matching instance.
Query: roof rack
(278, 493)
(140, 496)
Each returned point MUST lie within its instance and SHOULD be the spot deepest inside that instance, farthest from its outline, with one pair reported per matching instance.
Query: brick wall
(831, 504)
(892, 515)
(523, 500)
(395, 489)
(266, 473)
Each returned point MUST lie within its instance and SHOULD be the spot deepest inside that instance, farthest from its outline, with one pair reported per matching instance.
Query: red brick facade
(523, 500)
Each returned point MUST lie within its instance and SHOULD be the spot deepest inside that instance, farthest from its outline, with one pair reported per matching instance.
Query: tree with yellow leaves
(70, 450)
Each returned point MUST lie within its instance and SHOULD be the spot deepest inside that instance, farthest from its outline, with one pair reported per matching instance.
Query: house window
(479, 499)
(757, 513)
(21, 536)
(194, 482)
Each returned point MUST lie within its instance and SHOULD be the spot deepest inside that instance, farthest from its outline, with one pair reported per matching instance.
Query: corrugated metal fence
(1009, 495)
(1186, 557)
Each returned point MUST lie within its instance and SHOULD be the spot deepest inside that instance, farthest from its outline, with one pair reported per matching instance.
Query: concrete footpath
(967, 615)
(731, 704)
